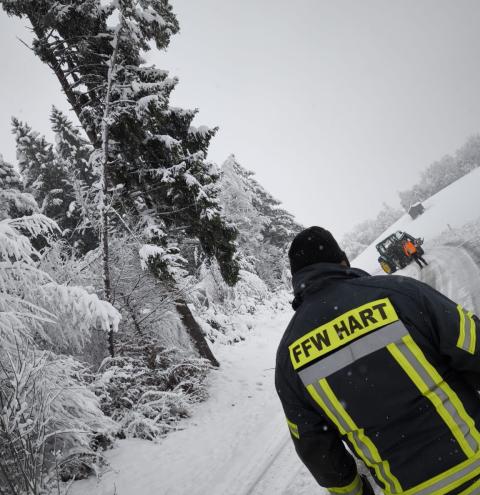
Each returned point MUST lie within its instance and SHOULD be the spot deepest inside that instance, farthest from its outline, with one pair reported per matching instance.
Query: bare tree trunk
(104, 195)
(195, 332)
(107, 289)
(132, 314)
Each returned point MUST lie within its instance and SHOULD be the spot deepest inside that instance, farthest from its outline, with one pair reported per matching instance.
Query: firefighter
(384, 368)
(410, 250)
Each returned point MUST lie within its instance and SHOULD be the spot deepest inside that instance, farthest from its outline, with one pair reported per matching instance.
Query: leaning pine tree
(151, 163)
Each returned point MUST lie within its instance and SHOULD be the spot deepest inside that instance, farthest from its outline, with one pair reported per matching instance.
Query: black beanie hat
(314, 245)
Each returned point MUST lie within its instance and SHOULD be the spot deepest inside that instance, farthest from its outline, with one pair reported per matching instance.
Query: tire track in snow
(454, 272)
(266, 467)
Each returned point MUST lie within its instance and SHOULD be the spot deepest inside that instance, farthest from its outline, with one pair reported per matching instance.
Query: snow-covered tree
(443, 172)
(265, 229)
(72, 153)
(150, 161)
(468, 155)
(40, 172)
(32, 305)
(14, 202)
(156, 160)
(44, 177)
(71, 147)
(59, 177)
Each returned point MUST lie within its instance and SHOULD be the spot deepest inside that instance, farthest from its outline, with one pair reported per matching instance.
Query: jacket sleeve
(455, 329)
(317, 442)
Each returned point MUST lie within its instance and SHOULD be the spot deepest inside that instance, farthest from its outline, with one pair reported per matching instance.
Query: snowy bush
(225, 312)
(145, 388)
(50, 422)
(147, 394)
(32, 305)
(48, 417)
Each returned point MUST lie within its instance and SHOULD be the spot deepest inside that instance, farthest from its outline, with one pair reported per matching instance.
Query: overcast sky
(335, 105)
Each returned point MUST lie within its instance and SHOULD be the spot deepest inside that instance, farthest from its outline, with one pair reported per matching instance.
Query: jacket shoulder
(397, 283)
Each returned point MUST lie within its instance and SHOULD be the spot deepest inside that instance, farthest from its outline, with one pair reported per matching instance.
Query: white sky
(336, 105)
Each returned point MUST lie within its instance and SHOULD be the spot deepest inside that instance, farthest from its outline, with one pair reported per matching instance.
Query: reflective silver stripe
(442, 396)
(366, 454)
(442, 486)
(352, 352)
(331, 407)
(474, 489)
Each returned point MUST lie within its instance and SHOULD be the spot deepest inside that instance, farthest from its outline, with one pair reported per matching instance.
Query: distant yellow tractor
(392, 257)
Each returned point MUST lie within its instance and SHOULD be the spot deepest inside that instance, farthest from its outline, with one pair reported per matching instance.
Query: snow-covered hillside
(452, 207)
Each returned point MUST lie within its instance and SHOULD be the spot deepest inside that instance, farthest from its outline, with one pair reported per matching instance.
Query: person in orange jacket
(410, 250)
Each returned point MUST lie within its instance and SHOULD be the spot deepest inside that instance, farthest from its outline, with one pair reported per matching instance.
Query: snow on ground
(453, 272)
(230, 443)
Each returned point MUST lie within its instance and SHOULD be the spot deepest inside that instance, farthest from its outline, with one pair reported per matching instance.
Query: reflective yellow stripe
(293, 429)
(354, 488)
(472, 489)
(363, 446)
(434, 388)
(467, 334)
(448, 480)
(461, 335)
(473, 333)
(449, 392)
(340, 331)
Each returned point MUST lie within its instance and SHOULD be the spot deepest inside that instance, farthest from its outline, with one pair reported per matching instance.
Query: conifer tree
(155, 155)
(150, 161)
(14, 202)
(72, 154)
(52, 175)
(42, 175)
(266, 230)
(72, 148)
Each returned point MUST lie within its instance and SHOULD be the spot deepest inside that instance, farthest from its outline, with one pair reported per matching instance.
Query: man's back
(385, 363)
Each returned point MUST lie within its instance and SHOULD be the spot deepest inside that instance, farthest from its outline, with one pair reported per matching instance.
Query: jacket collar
(313, 277)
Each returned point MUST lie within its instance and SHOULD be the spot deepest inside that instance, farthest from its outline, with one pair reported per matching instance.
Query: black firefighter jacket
(390, 367)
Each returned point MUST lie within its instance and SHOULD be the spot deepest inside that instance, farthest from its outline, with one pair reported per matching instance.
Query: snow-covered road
(237, 442)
